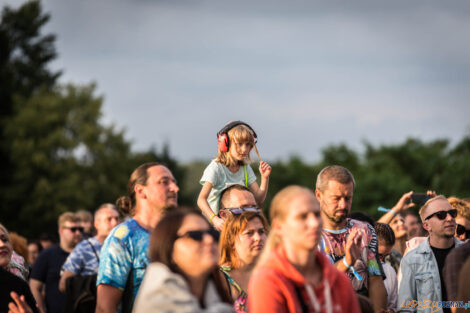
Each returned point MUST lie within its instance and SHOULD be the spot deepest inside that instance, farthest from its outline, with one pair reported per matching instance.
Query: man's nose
(174, 187)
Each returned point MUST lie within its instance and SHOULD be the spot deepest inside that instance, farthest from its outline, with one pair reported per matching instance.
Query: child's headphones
(223, 141)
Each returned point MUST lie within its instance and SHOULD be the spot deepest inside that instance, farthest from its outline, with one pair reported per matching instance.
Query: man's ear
(318, 194)
(140, 191)
(426, 226)
(276, 226)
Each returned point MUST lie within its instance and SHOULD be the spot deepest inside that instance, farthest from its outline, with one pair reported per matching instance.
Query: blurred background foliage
(57, 155)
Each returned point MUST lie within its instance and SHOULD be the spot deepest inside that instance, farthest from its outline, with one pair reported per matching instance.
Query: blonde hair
(67, 217)
(6, 232)
(278, 212)
(461, 206)
(238, 134)
(234, 226)
(425, 205)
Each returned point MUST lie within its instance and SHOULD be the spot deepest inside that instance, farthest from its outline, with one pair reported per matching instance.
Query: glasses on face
(443, 214)
(198, 235)
(238, 211)
(75, 229)
(462, 230)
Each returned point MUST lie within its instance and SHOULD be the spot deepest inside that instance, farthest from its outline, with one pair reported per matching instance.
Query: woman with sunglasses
(462, 231)
(292, 275)
(242, 239)
(183, 275)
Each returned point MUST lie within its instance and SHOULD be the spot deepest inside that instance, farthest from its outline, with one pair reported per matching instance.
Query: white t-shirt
(391, 285)
(221, 178)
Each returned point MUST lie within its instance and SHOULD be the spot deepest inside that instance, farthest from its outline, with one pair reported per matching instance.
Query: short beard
(334, 219)
(167, 208)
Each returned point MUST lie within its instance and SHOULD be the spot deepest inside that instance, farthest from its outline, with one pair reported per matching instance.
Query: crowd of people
(146, 254)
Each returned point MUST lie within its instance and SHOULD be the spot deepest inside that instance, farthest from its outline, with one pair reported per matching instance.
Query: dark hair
(126, 204)
(362, 217)
(335, 173)
(385, 233)
(162, 241)
(37, 243)
(226, 192)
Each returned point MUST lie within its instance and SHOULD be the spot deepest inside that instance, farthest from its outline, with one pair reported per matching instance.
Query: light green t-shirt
(221, 178)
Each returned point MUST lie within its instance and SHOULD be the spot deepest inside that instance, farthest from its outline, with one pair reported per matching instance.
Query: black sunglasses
(238, 211)
(462, 230)
(75, 229)
(443, 214)
(198, 235)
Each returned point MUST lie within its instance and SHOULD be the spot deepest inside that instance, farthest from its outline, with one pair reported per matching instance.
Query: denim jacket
(419, 287)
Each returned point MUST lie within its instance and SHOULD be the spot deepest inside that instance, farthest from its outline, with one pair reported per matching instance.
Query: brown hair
(233, 226)
(240, 133)
(126, 204)
(19, 244)
(84, 216)
(335, 173)
(162, 241)
(67, 217)
(461, 206)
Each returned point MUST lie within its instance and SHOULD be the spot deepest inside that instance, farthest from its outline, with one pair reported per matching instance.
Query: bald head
(236, 196)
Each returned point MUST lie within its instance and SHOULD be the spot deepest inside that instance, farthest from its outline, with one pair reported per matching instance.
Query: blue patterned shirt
(125, 250)
(83, 260)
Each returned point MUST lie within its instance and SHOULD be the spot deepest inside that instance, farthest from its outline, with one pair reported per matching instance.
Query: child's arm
(206, 209)
(261, 191)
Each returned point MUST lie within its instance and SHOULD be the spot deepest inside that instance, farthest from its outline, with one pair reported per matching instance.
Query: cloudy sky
(304, 74)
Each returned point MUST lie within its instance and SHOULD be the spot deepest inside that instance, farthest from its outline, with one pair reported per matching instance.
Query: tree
(24, 57)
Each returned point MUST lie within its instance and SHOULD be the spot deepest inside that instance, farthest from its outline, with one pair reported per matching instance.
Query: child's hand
(264, 169)
(218, 223)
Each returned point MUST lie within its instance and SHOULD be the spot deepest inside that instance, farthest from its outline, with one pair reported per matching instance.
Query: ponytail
(124, 206)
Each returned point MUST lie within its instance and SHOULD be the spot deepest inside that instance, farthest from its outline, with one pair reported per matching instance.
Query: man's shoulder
(51, 252)
(128, 231)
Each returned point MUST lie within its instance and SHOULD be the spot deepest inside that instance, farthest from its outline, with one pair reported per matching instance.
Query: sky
(303, 74)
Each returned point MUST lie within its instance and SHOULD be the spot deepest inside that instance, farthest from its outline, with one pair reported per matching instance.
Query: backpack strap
(94, 250)
(246, 176)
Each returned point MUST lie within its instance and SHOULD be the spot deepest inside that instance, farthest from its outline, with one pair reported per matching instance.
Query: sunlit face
(301, 227)
(106, 220)
(195, 258)
(70, 234)
(250, 241)
(440, 228)
(335, 201)
(161, 190)
(33, 252)
(240, 150)
(5, 249)
(398, 226)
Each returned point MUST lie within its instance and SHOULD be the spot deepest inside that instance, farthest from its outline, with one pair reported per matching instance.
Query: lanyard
(314, 300)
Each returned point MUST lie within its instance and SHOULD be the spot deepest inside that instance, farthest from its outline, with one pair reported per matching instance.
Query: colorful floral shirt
(333, 244)
(239, 304)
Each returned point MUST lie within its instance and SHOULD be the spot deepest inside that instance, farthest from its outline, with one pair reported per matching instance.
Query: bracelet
(356, 274)
(394, 213)
(212, 216)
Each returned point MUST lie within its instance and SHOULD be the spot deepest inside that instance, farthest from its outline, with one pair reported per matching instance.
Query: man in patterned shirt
(152, 191)
(84, 259)
(349, 244)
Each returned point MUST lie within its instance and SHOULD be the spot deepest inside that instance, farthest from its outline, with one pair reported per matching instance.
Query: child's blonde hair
(238, 134)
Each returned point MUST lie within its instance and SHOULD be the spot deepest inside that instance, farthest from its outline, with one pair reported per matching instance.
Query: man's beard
(335, 219)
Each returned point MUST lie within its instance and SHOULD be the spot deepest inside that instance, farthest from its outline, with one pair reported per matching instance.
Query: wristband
(212, 216)
(356, 274)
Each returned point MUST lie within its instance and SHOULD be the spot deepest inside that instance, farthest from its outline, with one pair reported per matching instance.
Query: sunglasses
(238, 211)
(443, 214)
(198, 235)
(462, 230)
(75, 229)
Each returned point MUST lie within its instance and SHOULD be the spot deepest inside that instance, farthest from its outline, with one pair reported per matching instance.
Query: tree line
(56, 154)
